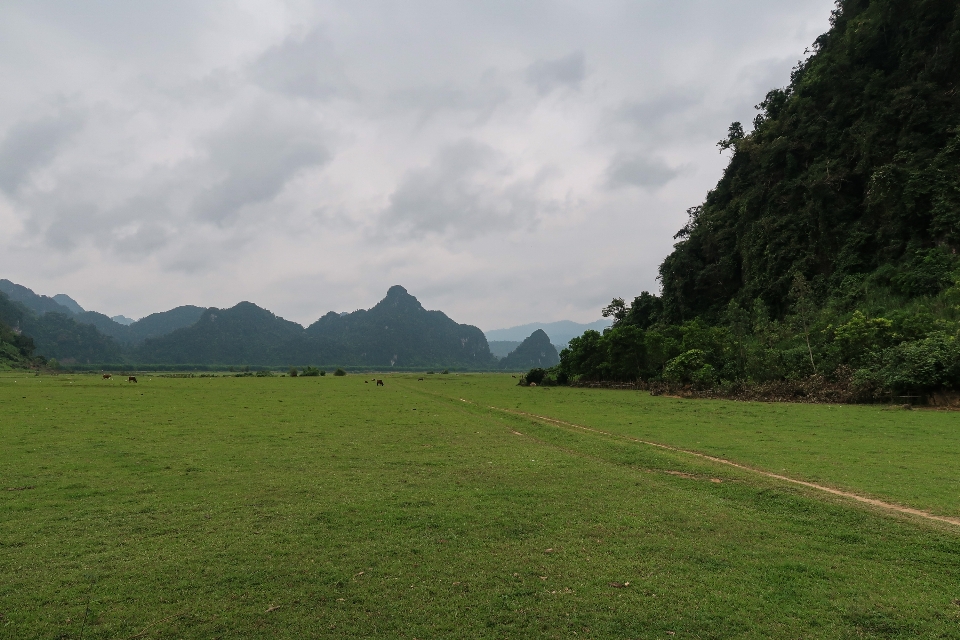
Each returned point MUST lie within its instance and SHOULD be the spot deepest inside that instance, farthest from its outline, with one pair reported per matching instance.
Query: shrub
(535, 376)
(322, 372)
(311, 371)
(264, 373)
(293, 372)
(339, 372)
(444, 372)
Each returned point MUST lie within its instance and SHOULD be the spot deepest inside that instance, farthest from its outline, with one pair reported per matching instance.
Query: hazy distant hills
(560, 332)
(395, 333)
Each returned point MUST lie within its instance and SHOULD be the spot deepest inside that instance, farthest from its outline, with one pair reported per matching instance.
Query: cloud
(342, 147)
(253, 157)
(305, 67)
(547, 75)
(32, 144)
(640, 172)
(468, 190)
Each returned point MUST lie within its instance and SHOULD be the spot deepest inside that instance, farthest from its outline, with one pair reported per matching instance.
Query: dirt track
(887, 506)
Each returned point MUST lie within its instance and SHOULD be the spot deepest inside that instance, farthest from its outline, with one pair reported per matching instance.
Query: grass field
(327, 507)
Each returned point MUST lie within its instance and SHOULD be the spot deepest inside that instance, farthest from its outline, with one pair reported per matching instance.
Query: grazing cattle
(533, 384)
(107, 376)
(379, 383)
(419, 379)
(131, 378)
(366, 382)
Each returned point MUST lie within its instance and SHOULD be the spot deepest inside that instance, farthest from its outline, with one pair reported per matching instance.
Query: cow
(379, 383)
(107, 376)
(366, 382)
(131, 378)
(419, 379)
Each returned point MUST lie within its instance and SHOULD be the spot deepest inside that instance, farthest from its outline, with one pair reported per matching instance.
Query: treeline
(908, 349)
(829, 246)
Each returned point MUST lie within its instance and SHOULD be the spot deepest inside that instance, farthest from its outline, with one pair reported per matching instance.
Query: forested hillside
(850, 177)
(829, 246)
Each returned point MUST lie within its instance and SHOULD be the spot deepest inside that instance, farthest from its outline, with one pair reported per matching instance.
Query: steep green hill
(399, 332)
(850, 176)
(242, 334)
(534, 352)
(827, 253)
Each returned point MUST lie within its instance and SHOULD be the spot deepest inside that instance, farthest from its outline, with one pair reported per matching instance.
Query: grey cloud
(547, 75)
(431, 100)
(640, 172)
(465, 192)
(255, 157)
(32, 144)
(305, 68)
(651, 113)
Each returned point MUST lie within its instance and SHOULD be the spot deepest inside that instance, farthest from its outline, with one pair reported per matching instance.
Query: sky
(505, 161)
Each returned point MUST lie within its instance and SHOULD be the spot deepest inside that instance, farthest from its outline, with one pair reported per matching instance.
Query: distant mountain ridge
(396, 332)
(560, 332)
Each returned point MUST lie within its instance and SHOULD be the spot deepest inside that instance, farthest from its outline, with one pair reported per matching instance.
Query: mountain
(560, 332)
(35, 303)
(397, 332)
(534, 352)
(57, 334)
(827, 254)
(66, 301)
(158, 324)
(242, 334)
(850, 176)
(124, 320)
(500, 348)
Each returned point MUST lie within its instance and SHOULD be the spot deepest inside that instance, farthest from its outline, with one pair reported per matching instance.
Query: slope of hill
(850, 177)
(36, 303)
(502, 348)
(824, 263)
(534, 352)
(66, 301)
(16, 349)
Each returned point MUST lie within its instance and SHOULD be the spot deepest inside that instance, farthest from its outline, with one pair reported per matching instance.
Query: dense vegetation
(829, 246)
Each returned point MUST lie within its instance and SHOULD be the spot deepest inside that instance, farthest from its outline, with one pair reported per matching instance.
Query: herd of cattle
(108, 376)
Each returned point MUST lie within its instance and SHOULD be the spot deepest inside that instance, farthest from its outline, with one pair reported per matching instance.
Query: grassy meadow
(328, 507)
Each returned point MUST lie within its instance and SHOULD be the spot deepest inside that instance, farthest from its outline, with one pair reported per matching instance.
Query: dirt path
(887, 506)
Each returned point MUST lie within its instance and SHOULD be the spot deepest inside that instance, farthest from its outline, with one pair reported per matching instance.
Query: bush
(264, 373)
(322, 372)
(293, 372)
(444, 372)
(535, 376)
(339, 372)
(311, 371)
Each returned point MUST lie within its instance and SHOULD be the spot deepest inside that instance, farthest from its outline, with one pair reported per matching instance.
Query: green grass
(188, 508)
(906, 457)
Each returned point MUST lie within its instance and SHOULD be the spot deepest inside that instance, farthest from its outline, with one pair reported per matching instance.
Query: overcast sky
(505, 161)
